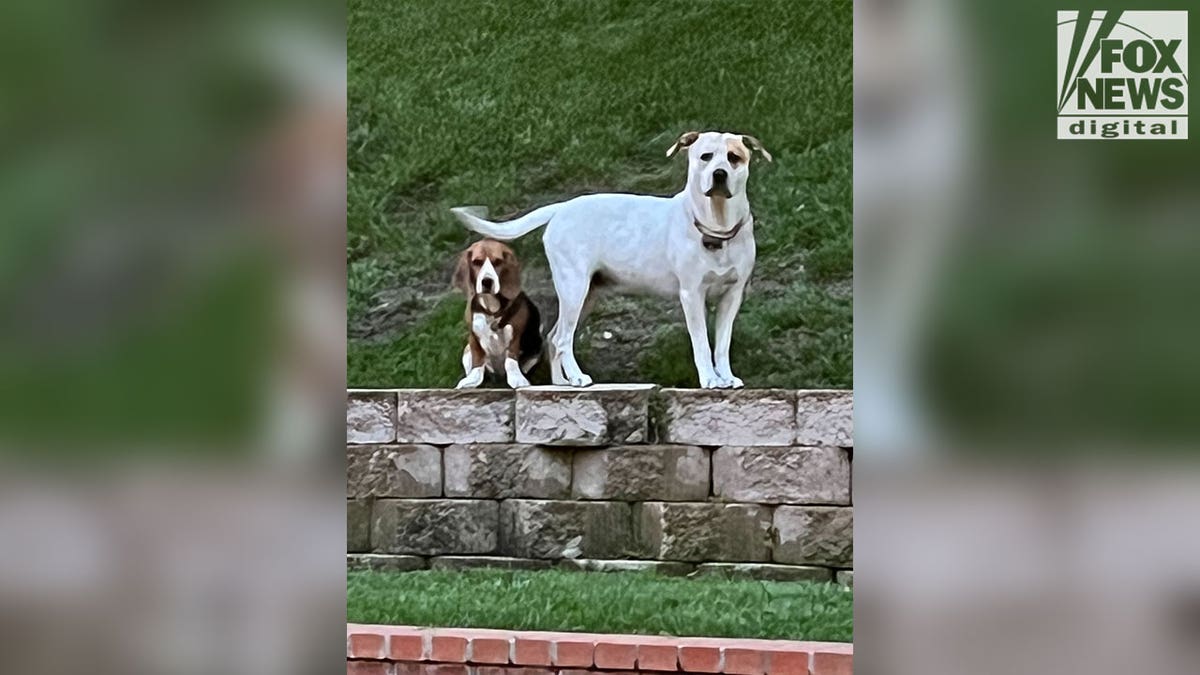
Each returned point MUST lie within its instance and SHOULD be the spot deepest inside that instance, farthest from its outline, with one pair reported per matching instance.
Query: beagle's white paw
(472, 380)
(512, 371)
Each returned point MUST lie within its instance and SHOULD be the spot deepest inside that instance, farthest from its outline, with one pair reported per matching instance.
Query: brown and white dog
(505, 328)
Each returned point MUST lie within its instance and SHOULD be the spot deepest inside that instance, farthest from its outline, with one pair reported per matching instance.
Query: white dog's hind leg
(693, 313)
(570, 302)
(727, 309)
(556, 371)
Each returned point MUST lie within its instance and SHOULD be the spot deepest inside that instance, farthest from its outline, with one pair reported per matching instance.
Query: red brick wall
(400, 650)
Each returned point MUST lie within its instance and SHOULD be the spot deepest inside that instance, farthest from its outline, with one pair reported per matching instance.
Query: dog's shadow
(541, 372)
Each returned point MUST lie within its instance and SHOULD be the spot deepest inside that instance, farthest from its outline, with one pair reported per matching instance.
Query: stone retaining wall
(402, 650)
(750, 482)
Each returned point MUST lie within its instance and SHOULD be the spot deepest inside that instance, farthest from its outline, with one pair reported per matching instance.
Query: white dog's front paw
(721, 382)
(579, 380)
(728, 381)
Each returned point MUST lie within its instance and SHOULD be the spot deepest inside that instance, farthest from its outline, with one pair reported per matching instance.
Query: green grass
(518, 104)
(604, 603)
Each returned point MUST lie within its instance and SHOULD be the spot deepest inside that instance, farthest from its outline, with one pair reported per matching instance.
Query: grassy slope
(607, 603)
(517, 104)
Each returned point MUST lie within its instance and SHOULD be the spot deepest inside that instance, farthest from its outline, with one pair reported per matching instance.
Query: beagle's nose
(719, 176)
(486, 282)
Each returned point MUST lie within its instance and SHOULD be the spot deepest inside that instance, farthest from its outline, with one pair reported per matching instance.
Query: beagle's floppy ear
(755, 144)
(683, 141)
(510, 275)
(462, 274)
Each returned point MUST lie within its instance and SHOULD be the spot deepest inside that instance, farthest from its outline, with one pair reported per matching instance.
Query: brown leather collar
(504, 313)
(715, 242)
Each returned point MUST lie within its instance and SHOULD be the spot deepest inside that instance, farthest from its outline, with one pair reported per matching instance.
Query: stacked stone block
(748, 483)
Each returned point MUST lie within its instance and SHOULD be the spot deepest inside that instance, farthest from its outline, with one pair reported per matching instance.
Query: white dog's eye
(734, 158)
(706, 156)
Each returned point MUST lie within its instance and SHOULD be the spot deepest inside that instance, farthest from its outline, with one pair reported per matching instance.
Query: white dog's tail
(471, 217)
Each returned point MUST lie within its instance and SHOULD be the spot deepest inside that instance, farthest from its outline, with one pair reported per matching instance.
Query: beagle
(504, 326)
(696, 245)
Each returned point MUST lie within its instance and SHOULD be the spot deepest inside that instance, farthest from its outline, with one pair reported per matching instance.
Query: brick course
(403, 650)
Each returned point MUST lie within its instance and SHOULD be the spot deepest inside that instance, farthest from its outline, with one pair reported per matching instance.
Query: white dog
(696, 244)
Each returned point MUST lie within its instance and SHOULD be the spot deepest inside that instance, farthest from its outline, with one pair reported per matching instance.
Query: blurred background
(172, 279)
(1026, 371)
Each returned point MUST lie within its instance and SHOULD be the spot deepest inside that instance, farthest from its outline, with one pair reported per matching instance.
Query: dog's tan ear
(462, 274)
(683, 141)
(755, 144)
(510, 275)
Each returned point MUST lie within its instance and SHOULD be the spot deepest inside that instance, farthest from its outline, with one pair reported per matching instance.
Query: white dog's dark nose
(720, 176)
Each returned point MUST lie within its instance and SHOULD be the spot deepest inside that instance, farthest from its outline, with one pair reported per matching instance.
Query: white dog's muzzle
(718, 183)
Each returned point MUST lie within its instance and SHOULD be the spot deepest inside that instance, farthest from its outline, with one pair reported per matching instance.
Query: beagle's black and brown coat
(504, 326)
